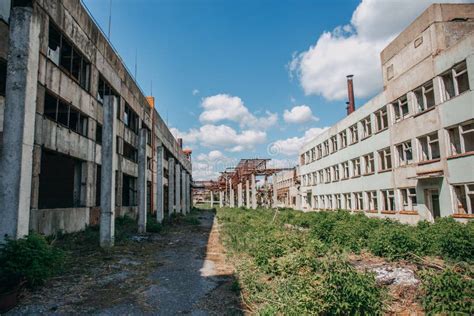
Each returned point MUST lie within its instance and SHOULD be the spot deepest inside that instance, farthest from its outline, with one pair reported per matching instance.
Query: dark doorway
(60, 181)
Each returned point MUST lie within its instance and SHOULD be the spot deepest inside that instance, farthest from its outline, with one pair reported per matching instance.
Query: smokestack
(350, 95)
(180, 143)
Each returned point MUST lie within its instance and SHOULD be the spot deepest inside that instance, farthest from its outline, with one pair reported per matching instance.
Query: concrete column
(221, 199)
(183, 191)
(142, 168)
(247, 193)
(231, 194)
(275, 192)
(171, 191)
(254, 192)
(212, 199)
(178, 188)
(19, 121)
(188, 193)
(239, 195)
(107, 189)
(160, 211)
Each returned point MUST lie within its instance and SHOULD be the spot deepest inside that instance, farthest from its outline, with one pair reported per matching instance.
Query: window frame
(383, 165)
(467, 206)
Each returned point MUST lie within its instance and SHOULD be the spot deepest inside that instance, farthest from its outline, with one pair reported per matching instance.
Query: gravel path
(181, 272)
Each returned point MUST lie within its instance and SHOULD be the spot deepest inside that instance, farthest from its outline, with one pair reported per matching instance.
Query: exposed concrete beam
(160, 212)
(142, 168)
(171, 190)
(19, 122)
(107, 190)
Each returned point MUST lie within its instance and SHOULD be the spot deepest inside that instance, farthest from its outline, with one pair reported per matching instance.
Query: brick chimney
(350, 94)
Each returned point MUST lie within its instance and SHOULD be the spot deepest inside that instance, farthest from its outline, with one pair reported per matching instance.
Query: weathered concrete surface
(142, 179)
(181, 272)
(16, 161)
(160, 211)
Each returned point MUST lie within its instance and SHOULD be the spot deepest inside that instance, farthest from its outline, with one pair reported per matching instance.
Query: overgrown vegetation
(297, 263)
(31, 259)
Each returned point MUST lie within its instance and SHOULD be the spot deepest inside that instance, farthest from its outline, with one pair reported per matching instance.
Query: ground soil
(183, 271)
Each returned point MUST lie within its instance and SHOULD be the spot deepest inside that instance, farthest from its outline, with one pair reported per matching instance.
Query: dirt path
(181, 272)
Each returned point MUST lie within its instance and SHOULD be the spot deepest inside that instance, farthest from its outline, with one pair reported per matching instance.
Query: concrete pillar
(178, 188)
(19, 121)
(275, 192)
(212, 199)
(231, 194)
(254, 192)
(247, 193)
(183, 191)
(107, 189)
(142, 168)
(239, 195)
(188, 193)
(221, 199)
(171, 190)
(160, 211)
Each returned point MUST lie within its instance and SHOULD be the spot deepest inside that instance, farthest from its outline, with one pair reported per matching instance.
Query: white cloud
(208, 166)
(195, 92)
(291, 146)
(299, 114)
(222, 107)
(354, 49)
(222, 136)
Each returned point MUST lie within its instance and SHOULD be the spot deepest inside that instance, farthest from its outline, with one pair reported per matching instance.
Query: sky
(252, 78)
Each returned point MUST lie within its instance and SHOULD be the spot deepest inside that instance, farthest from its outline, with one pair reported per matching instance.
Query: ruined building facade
(408, 153)
(73, 123)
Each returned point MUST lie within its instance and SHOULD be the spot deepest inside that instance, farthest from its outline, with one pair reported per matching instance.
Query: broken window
(388, 199)
(369, 163)
(359, 201)
(326, 148)
(461, 138)
(372, 201)
(338, 202)
(313, 154)
(129, 190)
(366, 127)
(302, 159)
(327, 175)
(334, 143)
(424, 96)
(63, 53)
(3, 76)
(65, 114)
(98, 134)
(130, 118)
(343, 137)
(348, 201)
(329, 202)
(336, 172)
(130, 152)
(385, 156)
(455, 81)
(429, 147)
(105, 89)
(408, 198)
(356, 167)
(345, 170)
(321, 176)
(405, 153)
(400, 108)
(59, 189)
(320, 151)
(464, 197)
(381, 118)
(354, 134)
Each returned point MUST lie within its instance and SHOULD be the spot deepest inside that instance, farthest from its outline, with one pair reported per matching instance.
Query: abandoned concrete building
(80, 142)
(287, 183)
(408, 153)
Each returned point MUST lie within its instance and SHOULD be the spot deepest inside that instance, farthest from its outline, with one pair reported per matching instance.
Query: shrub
(393, 242)
(31, 259)
(152, 225)
(454, 240)
(447, 293)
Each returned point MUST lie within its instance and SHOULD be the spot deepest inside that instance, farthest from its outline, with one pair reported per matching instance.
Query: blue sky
(225, 72)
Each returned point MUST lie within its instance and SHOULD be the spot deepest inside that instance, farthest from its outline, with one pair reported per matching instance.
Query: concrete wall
(78, 27)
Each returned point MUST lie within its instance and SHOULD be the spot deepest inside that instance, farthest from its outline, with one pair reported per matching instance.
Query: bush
(395, 242)
(447, 293)
(152, 225)
(31, 259)
(454, 240)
